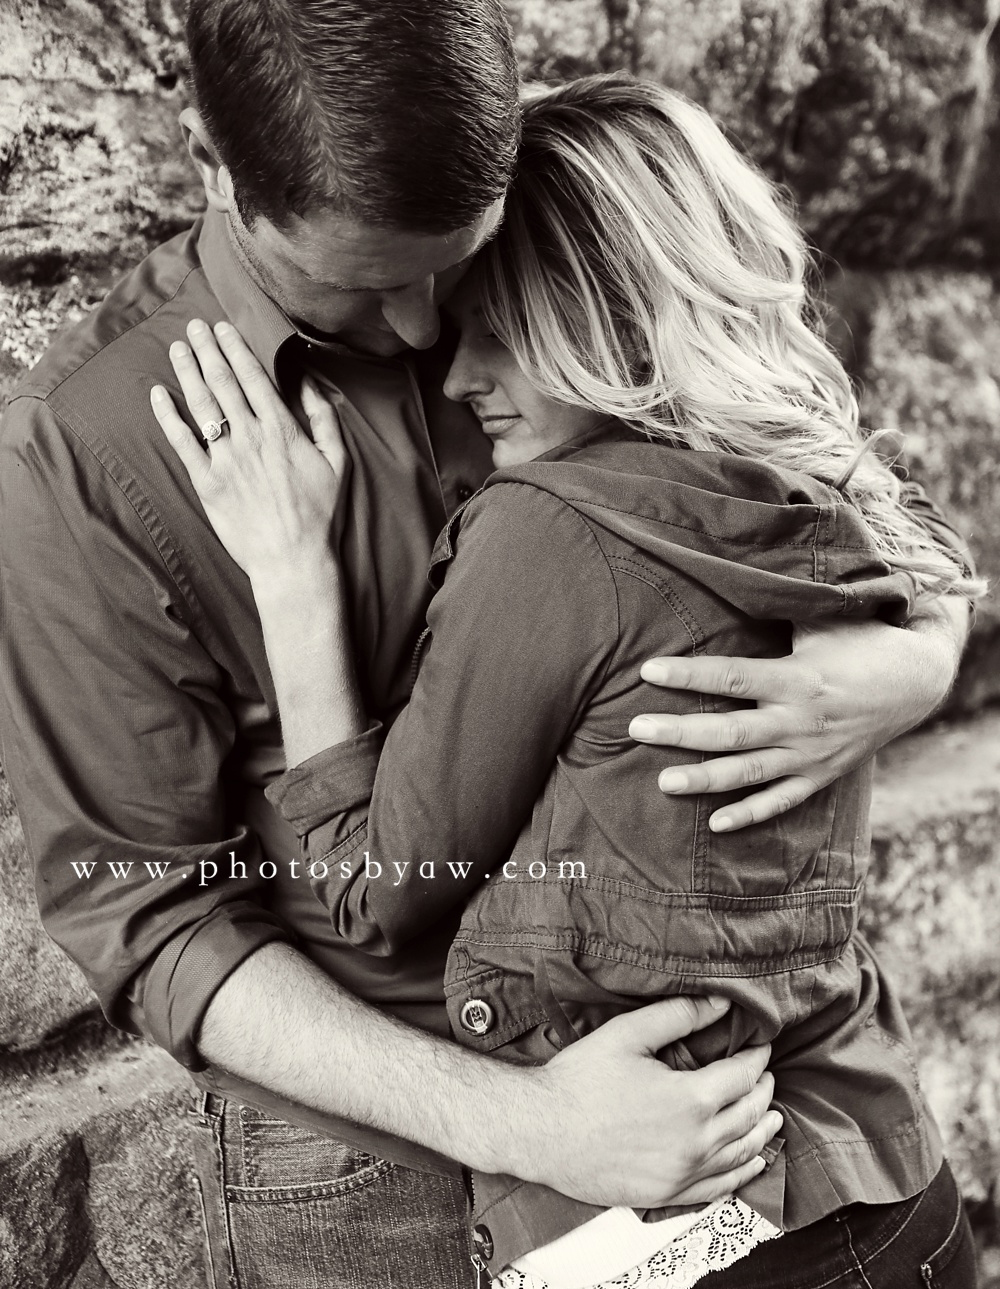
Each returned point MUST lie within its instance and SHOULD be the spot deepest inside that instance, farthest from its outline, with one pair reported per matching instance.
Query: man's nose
(413, 315)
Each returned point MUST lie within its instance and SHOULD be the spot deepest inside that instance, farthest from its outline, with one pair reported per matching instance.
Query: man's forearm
(603, 1121)
(949, 617)
(944, 626)
(280, 1022)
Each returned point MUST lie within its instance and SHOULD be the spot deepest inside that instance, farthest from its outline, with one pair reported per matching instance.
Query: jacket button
(483, 1241)
(477, 1017)
(463, 492)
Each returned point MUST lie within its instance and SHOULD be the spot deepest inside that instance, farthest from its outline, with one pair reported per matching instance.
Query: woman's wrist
(296, 581)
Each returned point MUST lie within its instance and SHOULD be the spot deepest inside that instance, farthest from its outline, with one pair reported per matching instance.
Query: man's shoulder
(123, 341)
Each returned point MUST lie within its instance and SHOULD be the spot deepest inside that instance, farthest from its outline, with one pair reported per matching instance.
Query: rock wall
(883, 120)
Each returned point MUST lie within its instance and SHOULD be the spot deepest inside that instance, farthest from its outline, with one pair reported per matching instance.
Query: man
(354, 158)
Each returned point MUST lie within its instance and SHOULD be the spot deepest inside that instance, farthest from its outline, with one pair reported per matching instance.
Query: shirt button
(477, 1016)
(483, 1241)
(463, 492)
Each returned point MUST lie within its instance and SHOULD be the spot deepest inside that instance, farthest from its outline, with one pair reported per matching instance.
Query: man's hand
(846, 690)
(617, 1127)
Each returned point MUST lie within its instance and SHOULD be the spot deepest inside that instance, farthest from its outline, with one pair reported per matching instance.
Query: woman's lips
(495, 426)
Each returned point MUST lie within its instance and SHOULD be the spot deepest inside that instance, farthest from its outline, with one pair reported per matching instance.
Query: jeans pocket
(276, 1156)
(953, 1265)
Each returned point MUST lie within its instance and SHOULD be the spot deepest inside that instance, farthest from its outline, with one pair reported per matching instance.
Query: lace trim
(721, 1238)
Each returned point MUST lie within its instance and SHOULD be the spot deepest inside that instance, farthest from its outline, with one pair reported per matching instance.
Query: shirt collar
(262, 323)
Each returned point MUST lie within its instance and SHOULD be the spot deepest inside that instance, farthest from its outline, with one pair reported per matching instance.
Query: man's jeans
(285, 1208)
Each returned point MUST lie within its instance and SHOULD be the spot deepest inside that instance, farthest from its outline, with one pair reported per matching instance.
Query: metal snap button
(483, 1241)
(477, 1016)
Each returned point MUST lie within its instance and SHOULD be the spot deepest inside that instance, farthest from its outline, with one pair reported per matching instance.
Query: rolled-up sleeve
(521, 634)
(115, 735)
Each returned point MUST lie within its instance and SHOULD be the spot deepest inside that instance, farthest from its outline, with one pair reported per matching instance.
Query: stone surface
(932, 909)
(925, 347)
(96, 1187)
(90, 163)
(880, 116)
(41, 991)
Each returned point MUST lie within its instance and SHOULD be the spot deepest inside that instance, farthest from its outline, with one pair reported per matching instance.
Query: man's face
(374, 289)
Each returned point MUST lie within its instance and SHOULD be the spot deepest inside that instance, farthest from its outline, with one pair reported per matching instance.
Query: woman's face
(521, 421)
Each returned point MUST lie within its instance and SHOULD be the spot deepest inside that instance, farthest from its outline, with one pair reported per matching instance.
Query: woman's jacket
(510, 786)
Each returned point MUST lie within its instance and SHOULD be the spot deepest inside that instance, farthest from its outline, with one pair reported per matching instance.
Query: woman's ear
(214, 175)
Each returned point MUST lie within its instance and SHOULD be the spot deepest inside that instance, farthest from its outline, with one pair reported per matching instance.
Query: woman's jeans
(920, 1243)
(285, 1208)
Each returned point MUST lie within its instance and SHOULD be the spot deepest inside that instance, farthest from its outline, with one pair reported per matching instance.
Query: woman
(675, 446)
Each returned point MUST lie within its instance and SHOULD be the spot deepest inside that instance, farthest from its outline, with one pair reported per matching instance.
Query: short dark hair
(402, 113)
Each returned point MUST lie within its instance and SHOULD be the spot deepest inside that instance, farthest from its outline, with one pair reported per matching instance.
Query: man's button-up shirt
(137, 713)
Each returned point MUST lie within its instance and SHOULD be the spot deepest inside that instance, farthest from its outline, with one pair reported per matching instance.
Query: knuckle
(814, 685)
(735, 681)
(754, 770)
(222, 378)
(738, 732)
(780, 803)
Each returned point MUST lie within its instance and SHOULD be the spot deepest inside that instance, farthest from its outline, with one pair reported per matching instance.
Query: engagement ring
(213, 430)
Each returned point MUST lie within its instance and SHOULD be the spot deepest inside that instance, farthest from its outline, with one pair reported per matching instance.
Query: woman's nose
(466, 377)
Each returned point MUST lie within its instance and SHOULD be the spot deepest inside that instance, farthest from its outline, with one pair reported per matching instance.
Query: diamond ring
(213, 430)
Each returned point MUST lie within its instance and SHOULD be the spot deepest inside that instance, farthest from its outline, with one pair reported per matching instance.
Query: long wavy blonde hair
(645, 269)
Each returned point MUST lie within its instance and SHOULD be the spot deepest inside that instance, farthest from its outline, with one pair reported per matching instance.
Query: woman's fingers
(202, 403)
(725, 773)
(776, 800)
(179, 436)
(255, 383)
(324, 424)
(748, 727)
(763, 679)
(218, 375)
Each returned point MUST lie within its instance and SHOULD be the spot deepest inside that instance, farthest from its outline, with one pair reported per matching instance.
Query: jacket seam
(701, 530)
(817, 897)
(767, 965)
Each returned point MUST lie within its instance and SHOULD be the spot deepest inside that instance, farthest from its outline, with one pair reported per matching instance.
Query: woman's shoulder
(517, 524)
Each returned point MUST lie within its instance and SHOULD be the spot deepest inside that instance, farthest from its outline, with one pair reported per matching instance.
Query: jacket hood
(774, 543)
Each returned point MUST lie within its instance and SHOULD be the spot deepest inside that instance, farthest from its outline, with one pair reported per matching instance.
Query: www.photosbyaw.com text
(209, 870)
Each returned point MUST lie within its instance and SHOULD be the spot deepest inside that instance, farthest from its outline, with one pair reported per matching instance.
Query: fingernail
(658, 673)
(179, 349)
(223, 328)
(673, 781)
(158, 394)
(642, 727)
(722, 824)
(718, 1002)
(197, 326)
